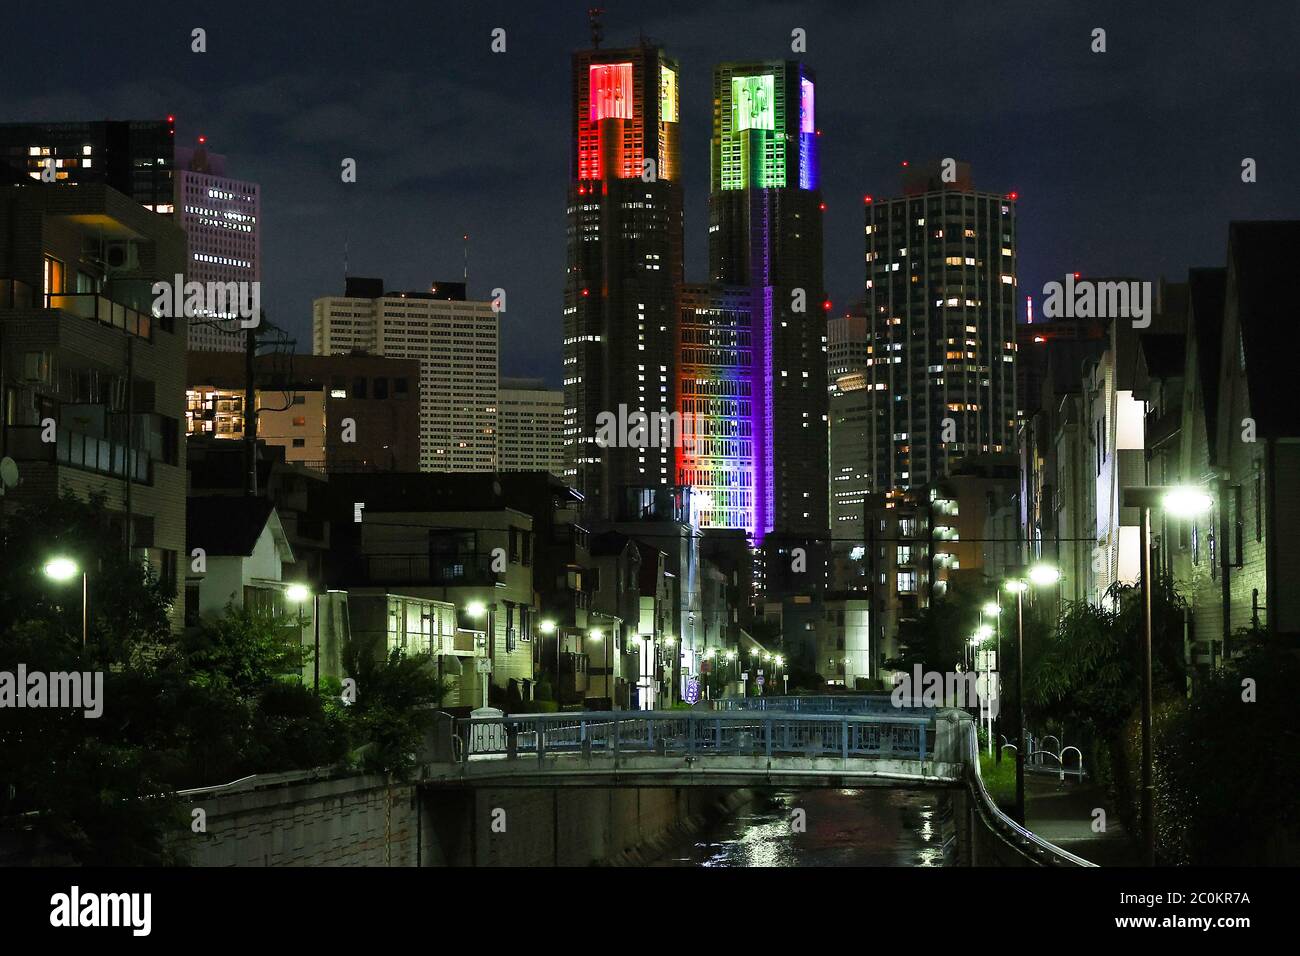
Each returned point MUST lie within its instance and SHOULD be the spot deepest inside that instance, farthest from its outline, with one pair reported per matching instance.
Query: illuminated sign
(667, 96)
(610, 91)
(753, 102)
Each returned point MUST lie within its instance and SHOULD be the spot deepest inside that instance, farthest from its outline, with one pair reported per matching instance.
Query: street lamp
(63, 569)
(476, 610)
(1178, 501)
(298, 594)
(596, 636)
(1041, 575)
(994, 610)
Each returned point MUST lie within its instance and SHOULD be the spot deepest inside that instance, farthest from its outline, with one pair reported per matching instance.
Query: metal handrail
(692, 732)
(1055, 855)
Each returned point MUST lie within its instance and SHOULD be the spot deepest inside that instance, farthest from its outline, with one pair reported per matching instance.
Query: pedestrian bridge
(782, 743)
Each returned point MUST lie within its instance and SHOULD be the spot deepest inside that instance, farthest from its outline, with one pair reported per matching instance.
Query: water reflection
(869, 827)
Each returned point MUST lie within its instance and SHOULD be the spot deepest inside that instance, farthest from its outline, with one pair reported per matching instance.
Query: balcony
(432, 571)
(76, 450)
(100, 308)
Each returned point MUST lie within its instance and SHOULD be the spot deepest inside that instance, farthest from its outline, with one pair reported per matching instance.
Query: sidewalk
(1061, 812)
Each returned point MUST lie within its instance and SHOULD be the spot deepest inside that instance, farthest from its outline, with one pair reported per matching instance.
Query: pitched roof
(230, 525)
(1262, 258)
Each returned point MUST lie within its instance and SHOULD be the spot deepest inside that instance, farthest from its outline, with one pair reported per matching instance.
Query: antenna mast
(597, 30)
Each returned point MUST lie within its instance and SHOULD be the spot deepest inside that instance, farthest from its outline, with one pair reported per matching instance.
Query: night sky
(1126, 163)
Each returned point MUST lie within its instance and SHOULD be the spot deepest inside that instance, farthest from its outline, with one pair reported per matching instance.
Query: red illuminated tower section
(623, 270)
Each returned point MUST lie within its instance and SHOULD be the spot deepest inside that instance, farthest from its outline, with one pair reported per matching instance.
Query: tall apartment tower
(134, 157)
(623, 268)
(456, 342)
(222, 218)
(530, 426)
(765, 234)
(941, 301)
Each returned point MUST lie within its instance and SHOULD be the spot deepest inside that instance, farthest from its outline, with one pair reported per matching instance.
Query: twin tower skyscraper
(740, 359)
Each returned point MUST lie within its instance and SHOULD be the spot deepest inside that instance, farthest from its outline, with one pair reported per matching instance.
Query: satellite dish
(8, 473)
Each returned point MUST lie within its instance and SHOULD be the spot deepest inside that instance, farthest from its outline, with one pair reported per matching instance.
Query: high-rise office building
(222, 218)
(717, 383)
(134, 157)
(941, 301)
(847, 344)
(765, 234)
(530, 426)
(456, 343)
(623, 265)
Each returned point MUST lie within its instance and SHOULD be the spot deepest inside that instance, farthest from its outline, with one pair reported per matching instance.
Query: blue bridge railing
(697, 733)
(824, 704)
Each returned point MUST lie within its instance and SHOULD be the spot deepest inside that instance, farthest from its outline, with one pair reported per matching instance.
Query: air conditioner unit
(121, 256)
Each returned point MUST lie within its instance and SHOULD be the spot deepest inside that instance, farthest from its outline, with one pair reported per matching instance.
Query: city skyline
(1051, 117)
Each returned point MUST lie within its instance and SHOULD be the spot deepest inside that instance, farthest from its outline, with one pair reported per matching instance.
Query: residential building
(456, 343)
(940, 297)
(354, 412)
(93, 386)
(134, 157)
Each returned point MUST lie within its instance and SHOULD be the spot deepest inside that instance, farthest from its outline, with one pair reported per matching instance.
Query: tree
(396, 695)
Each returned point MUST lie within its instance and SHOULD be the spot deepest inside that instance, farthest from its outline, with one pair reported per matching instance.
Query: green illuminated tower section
(765, 234)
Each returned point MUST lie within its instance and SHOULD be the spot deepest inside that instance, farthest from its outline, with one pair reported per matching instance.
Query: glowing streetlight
(1044, 574)
(475, 608)
(61, 569)
(547, 627)
(1177, 501)
(299, 594)
(992, 608)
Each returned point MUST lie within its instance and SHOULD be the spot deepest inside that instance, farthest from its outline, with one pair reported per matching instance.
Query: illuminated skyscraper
(765, 235)
(623, 267)
(941, 301)
(222, 219)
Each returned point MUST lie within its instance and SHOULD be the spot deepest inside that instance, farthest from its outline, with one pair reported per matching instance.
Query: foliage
(243, 650)
(395, 700)
(1226, 770)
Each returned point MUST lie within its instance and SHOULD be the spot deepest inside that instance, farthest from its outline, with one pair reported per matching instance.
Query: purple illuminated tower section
(752, 355)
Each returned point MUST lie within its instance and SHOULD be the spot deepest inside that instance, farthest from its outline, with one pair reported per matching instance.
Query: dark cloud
(1126, 162)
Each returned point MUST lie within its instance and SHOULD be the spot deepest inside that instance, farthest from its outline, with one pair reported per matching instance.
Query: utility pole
(250, 411)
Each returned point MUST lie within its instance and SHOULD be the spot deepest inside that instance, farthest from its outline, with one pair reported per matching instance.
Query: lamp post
(596, 636)
(1179, 501)
(1041, 575)
(995, 609)
(669, 643)
(476, 610)
(298, 594)
(65, 569)
(547, 627)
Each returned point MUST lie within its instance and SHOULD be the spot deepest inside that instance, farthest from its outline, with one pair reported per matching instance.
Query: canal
(869, 827)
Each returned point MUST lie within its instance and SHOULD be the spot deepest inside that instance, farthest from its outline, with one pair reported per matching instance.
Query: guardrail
(696, 733)
(823, 704)
(1024, 842)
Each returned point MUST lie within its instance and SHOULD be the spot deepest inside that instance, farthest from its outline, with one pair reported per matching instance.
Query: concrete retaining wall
(364, 821)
